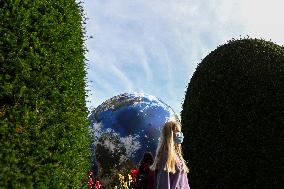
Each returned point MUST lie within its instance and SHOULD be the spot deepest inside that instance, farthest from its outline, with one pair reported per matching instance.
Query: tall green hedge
(43, 116)
(233, 117)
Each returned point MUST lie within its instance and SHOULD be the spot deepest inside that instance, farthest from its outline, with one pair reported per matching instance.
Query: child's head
(168, 134)
(147, 158)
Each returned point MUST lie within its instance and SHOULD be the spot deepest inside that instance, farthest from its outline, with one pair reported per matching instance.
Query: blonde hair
(167, 144)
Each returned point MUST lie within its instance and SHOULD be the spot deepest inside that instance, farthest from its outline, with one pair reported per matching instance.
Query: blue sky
(154, 46)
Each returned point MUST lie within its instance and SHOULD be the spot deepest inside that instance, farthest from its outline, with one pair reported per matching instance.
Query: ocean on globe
(123, 128)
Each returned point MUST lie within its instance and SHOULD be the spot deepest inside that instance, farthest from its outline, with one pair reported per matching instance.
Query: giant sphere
(126, 126)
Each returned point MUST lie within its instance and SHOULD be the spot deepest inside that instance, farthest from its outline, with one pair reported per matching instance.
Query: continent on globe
(123, 128)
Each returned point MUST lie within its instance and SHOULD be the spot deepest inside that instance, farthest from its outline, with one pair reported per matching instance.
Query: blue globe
(125, 126)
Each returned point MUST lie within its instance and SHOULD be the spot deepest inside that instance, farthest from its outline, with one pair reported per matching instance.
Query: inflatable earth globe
(123, 128)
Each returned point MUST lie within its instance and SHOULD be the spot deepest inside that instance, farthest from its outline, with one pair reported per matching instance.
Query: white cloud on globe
(131, 144)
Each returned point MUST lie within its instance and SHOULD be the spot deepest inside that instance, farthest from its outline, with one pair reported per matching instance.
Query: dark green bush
(43, 115)
(233, 117)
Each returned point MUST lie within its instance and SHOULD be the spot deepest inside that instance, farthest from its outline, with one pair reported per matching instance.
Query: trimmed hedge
(43, 114)
(233, 117)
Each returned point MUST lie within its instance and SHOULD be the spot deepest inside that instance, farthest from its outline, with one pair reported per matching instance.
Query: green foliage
(43, 116)
(233, 117)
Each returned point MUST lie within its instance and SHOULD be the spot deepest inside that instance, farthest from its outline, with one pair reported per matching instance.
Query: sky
(154, 46)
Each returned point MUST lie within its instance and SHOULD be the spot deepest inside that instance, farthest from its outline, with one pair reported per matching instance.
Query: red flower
(90, 173)
(134, 171)
(98, 184)
(133, 174)
(90, 183)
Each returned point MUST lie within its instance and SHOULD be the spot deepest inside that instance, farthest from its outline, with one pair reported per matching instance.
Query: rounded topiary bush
(233, 117)
(43, 115)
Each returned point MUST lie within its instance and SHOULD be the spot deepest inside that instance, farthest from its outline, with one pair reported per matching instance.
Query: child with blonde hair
(170, 167)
